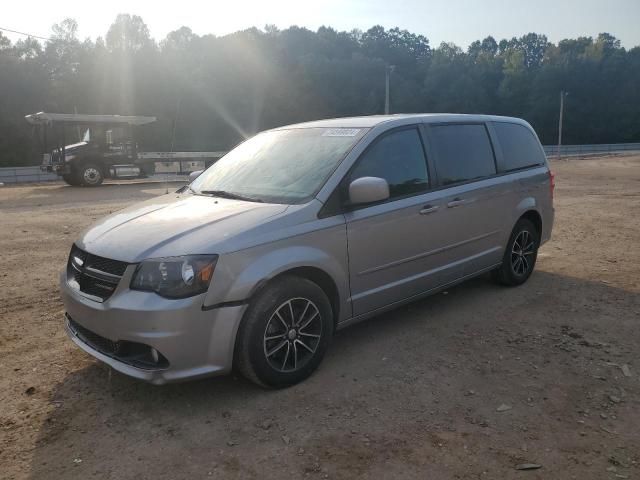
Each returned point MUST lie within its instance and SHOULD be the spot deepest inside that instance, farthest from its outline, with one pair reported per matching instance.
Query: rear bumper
(195, 343)
(547, 225)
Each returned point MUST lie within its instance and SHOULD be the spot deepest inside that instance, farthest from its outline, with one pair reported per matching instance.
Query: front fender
(240, 275)
(291, 258)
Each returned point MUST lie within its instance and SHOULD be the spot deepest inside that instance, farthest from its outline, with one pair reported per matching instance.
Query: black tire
(519, 260)
(263, 336)
(89, 175)
(70, 179)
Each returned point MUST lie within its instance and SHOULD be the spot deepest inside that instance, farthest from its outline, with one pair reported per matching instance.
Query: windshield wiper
(185, 188)
(230, 195)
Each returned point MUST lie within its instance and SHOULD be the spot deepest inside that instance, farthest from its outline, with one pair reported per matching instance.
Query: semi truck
(106, 148)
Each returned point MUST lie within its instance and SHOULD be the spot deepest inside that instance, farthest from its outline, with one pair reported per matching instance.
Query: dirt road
(466, 384)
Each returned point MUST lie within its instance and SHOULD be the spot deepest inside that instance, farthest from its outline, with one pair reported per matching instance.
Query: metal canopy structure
(42, 118)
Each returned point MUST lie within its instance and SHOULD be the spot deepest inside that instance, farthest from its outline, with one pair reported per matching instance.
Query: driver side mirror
(368, 190)
(194, 175)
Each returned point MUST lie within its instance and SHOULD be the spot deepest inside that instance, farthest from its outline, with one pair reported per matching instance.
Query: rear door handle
(457, 202)
(428, 209)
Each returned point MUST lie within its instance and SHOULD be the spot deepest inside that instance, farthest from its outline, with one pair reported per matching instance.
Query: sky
(457, 21)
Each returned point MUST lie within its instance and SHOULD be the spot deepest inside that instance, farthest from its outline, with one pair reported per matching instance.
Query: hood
(73, 146)
(174, 224)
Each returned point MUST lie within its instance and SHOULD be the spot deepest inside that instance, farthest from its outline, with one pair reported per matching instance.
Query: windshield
(279, 166)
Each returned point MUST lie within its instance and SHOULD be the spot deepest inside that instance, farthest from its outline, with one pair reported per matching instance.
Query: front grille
(96, 276)
(113, 267)
(132, 353)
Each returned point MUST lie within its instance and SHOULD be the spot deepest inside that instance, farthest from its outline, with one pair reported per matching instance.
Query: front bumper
(57, 168)
(196, 343)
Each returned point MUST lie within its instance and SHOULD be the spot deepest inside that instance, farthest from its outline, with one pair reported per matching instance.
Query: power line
(25, 34)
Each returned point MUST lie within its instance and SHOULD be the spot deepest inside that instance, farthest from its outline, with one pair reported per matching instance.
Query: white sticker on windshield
(340, 132)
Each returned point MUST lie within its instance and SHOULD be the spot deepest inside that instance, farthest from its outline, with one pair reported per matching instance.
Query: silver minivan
(300, 231)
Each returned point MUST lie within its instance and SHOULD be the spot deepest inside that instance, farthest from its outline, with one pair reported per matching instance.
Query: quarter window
(462, 152)
(520, 148)
(398, 157)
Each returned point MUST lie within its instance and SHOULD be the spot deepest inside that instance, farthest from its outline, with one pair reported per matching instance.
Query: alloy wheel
(522, 253)
(292, 335)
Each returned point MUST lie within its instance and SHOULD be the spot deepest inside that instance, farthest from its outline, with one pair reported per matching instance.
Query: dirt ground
(466, 384)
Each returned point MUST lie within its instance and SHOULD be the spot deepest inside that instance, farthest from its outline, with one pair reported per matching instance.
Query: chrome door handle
(428, 209)
(456, 202)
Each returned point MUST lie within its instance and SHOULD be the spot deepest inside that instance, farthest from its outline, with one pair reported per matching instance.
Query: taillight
(552, 182)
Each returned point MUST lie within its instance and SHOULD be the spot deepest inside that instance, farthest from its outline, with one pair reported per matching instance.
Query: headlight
(175, 277)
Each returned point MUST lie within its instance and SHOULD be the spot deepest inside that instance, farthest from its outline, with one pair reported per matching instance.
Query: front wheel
(520, 255)
(90, 175)
(284, 333)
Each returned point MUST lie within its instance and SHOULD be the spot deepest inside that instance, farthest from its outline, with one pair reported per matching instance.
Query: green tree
(211, 92)
(128, 34)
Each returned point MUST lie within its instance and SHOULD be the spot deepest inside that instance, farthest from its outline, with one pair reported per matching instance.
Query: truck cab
(105, 147)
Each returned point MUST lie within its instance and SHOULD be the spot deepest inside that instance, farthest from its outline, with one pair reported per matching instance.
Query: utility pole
(562, 95)
(387, 72)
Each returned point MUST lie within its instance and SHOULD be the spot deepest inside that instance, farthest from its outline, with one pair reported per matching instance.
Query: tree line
(210, 92)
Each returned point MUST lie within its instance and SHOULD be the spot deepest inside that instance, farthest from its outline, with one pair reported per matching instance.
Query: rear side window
(462, 152)
(398, 157)
(520, 149)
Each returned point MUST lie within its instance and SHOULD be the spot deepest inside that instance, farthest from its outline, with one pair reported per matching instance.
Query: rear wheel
(90, 175)
(520, 255)
(284, 333)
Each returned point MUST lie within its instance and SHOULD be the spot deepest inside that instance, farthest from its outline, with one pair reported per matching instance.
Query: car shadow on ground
(412, 366)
